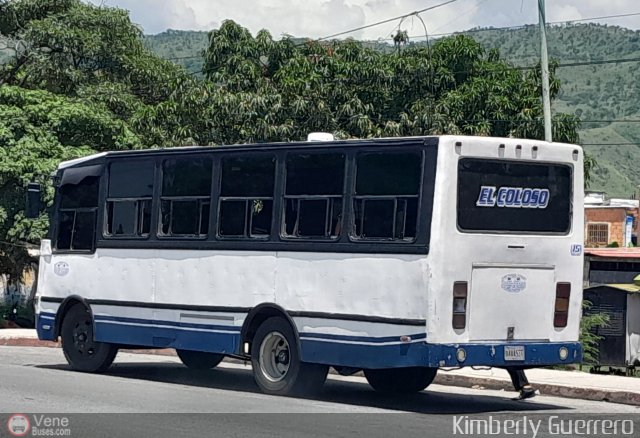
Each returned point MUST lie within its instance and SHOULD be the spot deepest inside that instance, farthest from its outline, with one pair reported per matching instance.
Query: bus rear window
(501, 196)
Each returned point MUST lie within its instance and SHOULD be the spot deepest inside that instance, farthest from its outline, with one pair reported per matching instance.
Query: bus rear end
(506, 253)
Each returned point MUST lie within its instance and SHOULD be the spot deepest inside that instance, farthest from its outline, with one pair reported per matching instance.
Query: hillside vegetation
(596, 93)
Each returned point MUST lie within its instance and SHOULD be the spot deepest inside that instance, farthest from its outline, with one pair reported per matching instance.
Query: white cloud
(316, 18)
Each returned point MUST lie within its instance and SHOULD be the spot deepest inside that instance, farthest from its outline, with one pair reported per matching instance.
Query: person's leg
(521, 383)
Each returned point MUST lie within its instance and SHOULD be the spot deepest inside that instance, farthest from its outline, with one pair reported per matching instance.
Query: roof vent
(320, 136)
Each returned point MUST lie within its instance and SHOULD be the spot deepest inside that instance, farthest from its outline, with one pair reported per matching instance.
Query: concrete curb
(443, 378)
(27, 342)
(557, 390)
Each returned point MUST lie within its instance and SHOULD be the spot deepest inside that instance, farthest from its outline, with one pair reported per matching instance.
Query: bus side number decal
(512, 197)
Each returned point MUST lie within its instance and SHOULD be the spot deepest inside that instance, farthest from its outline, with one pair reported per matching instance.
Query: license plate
(514, 353)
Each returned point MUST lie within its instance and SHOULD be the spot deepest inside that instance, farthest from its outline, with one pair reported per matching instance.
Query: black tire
(199, 360)
(400, 380)
(80, 349)
(299, 378)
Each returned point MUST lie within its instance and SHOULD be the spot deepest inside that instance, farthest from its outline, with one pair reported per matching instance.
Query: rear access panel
(510, 302)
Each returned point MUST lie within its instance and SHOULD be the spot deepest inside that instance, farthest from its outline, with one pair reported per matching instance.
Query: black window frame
(59, 211)
(160, 198)
(113, 199)
(275, 242)
(419, 196)
(247, 236)
(284, 197)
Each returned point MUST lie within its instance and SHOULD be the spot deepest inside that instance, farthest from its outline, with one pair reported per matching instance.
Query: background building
(610, 221)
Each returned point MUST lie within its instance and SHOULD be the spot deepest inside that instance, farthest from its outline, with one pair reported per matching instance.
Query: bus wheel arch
(257, 316)
(65, 306)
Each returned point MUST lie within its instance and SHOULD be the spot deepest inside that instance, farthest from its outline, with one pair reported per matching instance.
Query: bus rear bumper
(524, 354)
(500, 355)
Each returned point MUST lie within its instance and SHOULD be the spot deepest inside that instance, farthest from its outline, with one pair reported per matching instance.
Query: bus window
(186, 197)
(77, 213)
(387, 193)
(313, 195)
(503, 196)
(246, 196)
(129, 199)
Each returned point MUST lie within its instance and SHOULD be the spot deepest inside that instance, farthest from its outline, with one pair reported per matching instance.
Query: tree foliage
(80, 80)
(588, 337)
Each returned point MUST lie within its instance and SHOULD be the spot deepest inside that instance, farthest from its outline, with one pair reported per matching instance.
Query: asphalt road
(154, 396)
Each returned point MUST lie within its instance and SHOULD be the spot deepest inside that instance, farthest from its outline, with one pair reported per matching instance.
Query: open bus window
(313, 195)
(246, 196)
(186, 197)
(386, 200)
(128, 210)
(77, 212)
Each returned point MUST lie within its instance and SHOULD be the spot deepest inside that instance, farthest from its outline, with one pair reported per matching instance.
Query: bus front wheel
(199, 360)
(80, 349)
(400, 380)
(277, 367)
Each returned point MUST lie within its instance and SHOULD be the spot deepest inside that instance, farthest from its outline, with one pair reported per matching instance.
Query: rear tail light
(561, 311)
(459, 305)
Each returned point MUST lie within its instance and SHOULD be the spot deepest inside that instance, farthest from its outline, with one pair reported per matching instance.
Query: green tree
(455, 87)
(38, 129)
(79, 80)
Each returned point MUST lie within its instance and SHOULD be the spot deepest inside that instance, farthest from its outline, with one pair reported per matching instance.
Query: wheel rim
(83, 337)
(275, 357)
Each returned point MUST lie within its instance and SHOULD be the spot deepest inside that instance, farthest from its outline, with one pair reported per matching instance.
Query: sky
(318, 18)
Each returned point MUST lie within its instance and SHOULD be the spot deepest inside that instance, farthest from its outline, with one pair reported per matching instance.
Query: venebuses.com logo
(18, 425)
(21, 425)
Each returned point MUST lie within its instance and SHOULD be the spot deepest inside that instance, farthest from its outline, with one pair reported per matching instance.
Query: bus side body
(378, 302)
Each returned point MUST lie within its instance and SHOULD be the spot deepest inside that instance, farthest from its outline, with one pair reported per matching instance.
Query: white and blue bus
(393, 256)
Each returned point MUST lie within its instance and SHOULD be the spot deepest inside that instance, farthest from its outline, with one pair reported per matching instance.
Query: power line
(612, 144)
(19, 245)
(611, 121)
(530, 67)
(605, 61)
(522, 26)
(400, 17)
(604, 17)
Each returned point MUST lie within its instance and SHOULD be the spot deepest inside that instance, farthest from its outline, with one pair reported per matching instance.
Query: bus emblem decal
(514, 283)
(513, 197)
(61, 269)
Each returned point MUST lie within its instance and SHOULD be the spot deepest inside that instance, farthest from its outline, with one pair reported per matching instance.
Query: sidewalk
(570, 384)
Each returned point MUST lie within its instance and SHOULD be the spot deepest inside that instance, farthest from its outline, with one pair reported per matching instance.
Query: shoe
(526, 393)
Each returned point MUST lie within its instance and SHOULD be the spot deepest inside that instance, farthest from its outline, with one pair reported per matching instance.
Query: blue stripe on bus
(150, 336)
(132, 322)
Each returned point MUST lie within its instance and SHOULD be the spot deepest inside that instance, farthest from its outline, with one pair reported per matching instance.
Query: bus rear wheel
(199, 360)
(400, 380)
(80, 349)
(277, 367)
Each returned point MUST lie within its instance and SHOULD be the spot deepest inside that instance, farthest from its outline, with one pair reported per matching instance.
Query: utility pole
(544, 65)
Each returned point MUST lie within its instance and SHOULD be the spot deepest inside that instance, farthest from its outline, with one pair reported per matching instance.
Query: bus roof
(385, 141)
